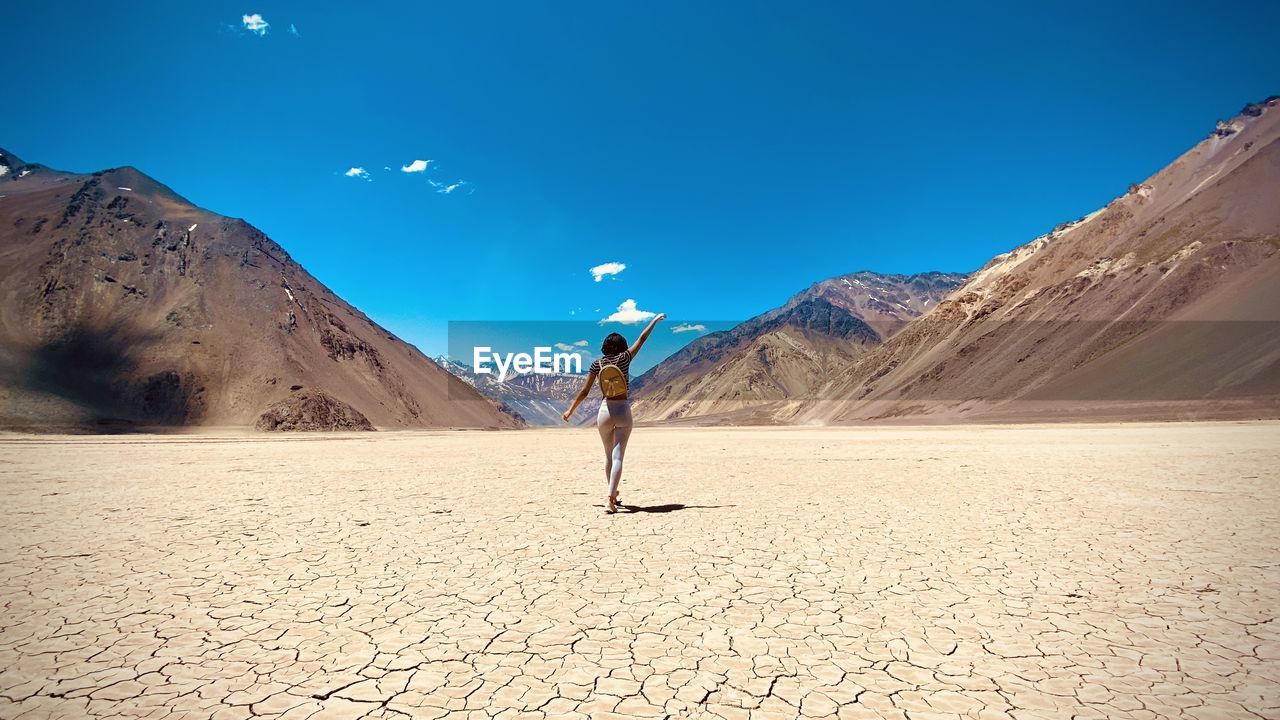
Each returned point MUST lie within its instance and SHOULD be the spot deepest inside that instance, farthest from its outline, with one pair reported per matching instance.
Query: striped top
(622, 360)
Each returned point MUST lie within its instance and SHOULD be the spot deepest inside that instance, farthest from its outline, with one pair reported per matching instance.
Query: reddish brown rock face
(124, 305)
(1165, 304)
(788, 354)
(308, 410)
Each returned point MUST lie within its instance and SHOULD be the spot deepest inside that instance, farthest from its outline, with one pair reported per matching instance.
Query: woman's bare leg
(620, 436)
(604, 423)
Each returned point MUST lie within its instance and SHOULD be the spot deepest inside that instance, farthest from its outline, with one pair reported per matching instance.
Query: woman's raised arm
(635, 347)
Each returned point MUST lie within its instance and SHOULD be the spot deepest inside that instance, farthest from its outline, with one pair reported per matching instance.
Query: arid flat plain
(1067, 571)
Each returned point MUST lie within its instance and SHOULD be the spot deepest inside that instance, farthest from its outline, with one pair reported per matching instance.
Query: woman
(614, 418)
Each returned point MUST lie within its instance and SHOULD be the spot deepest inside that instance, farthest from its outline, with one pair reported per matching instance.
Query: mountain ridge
(1078, 323)
(1082, 322)
(539, 399)
(788, 351)
(126, 305)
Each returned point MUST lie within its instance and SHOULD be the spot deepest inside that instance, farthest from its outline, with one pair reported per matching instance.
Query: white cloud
(581, 343)
(358, 172)
(609, 268)
(255, 24)
(628, 314)
(416, 166)
(564, 346)
(293, 30)
(447, 188)
(686, 327)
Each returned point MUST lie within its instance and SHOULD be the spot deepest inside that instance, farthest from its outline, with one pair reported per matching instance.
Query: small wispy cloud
(421, 167)
(564, 346)
(581, 343)
(628, 314)
(255, 24)
(609, 268)
(688, 327)
(293, 30)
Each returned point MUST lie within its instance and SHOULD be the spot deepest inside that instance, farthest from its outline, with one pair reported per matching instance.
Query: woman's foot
(611, 507)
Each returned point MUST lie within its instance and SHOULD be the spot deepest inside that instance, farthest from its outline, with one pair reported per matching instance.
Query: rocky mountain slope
(789, 354)
(538, 399)
(1163, 304)
(123, 304)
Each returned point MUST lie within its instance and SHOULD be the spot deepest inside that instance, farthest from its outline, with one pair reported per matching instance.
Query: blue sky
(728, 153)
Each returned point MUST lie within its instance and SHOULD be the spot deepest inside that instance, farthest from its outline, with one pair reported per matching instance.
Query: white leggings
(614, 423)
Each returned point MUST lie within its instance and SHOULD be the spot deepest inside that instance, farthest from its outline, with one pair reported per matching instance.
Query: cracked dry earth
(1118, 571)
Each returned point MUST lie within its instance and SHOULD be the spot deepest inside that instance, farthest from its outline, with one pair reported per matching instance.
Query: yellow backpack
(613, 382)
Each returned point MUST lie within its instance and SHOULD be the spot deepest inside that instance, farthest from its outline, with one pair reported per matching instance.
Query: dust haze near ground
(1088, 571)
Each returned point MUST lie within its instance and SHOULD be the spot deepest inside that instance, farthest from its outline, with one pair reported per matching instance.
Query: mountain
(123, 304)
(787, 355)
(537, 398)
(1164, 304)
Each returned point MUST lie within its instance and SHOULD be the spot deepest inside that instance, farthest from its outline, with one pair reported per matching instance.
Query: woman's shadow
(669, 507)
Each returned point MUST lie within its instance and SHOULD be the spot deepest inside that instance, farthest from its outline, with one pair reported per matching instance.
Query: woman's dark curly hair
(613, 344)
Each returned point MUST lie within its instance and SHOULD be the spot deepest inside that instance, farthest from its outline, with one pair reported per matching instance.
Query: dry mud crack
(1119, 571)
